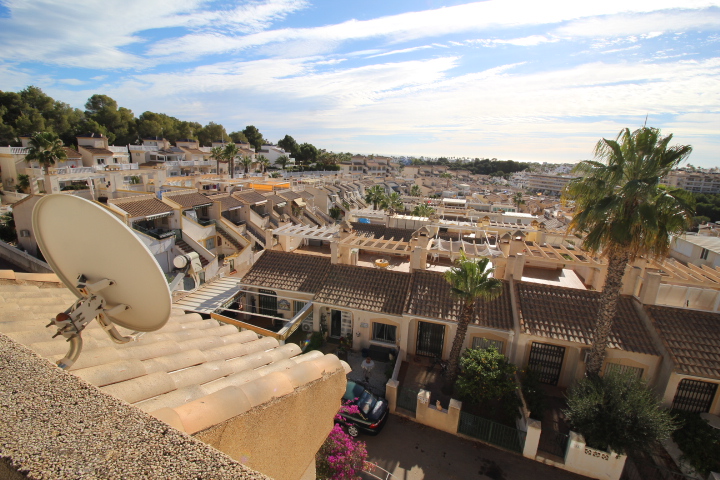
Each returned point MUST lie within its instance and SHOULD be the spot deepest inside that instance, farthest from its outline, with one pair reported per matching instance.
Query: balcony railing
(158, 233)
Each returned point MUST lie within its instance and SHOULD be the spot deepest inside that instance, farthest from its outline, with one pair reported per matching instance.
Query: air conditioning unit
(306, 327)
(24, 233)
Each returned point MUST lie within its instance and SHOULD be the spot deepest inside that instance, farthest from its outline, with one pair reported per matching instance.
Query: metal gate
(407, 399)
(492, 432)
(694, 395)
(430, 339)
(546, 360)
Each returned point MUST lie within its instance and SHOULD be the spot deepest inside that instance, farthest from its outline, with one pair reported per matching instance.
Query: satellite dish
(97, 257)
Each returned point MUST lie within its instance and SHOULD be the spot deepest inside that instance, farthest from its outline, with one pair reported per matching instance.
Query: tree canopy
(254, 137)
(622, 211)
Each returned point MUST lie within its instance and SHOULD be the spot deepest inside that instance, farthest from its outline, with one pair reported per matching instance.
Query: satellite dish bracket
(73, 321)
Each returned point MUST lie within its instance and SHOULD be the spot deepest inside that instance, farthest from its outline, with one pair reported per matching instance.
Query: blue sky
(507, 79)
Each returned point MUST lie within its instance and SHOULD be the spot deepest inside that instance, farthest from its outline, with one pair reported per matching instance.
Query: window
(101, 161)
(384, 333)
(624, 369)
(210, 243)
(115, 160)
(704, 254)
(484, 343)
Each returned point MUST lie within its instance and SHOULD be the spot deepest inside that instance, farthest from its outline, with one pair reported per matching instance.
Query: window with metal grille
(484, 343)
(704, 254)
(624, 369)
(384, 333)
(694, 395)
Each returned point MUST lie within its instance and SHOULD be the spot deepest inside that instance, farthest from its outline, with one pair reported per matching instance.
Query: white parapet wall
(591, 462)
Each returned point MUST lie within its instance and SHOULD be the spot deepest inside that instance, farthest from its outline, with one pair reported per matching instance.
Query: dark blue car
(373, 411)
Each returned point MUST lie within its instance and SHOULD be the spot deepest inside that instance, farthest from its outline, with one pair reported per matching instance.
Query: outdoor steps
(187, 249)
(328, 219)
(229, 239)
(255, 233)
(318, 221)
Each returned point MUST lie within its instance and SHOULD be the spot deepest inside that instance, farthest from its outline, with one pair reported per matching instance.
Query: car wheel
(353, 431)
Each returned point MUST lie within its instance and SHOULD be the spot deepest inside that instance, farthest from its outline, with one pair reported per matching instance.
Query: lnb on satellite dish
(113, 274)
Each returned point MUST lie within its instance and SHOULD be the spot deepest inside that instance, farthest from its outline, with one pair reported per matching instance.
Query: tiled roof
(369, 289)
(188, 200)
(569, 314)
(379, 231)
(226, 200)
(249, 197)
(97, 151)
(141, 206)
(275, 199)
(289, 195)
(194, 151)
(71, 153)
(306, 195)
(190, 365)
(288, 271)
(691, 337)
(431, 297)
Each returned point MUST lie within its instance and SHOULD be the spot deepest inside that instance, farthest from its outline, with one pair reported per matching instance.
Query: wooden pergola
(308, 232)
(378, 245)
(560, 254)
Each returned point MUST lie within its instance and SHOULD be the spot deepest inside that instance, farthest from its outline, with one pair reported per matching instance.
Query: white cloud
(480, 16)
(404, 50)
(71, 81)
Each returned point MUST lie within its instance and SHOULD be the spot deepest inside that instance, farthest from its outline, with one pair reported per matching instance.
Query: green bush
(316, 341)
(699, 442)
(534, 395)
(619, 412)
(486, 375)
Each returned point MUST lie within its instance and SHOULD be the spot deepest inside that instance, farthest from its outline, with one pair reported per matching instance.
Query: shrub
(340, 457)
(316, 341)
(619, 412)
(534, 394)
(486, 375)
(699, 442)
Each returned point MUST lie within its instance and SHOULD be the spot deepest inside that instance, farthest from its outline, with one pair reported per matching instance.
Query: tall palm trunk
(458, 341)
(617, 262)
(231, 164)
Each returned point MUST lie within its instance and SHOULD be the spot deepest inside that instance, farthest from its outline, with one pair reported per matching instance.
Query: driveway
(411, 451)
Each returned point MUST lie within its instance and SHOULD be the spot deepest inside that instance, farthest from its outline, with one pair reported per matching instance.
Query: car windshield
(371, 408)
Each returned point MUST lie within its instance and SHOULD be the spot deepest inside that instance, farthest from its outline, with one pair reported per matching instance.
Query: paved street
(415, 452)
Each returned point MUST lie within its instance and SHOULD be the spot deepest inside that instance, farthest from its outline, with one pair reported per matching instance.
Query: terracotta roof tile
(72, 154)
(288, 271)
(97, 151)
(275, 199)
(188, 200)
(431, 297)
(691, 337)
(289, 195)
(227, 201)
(569, 314)
(141, 206)
(249, 197)
(306, 195)
(368, 289)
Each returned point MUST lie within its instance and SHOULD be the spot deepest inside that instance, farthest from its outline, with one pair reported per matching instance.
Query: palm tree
(217, 154)
(283, 160)
(246, 161)
(46, 148)
(23, 184)
(423, 210)
(374, 195)
(415, 191)
(393, 203)
(517, 200)
(264, 162)
(624, 212)
(231, 152)
(469, 280)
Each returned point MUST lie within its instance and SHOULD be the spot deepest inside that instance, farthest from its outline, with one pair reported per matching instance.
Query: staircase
(314, 218)
(255, 234)
(187, 249)
(224, 232)
(328, 219)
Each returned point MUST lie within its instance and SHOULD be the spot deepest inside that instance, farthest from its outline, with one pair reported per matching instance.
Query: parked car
(372, 415)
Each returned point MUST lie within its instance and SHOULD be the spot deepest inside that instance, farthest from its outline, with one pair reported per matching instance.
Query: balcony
(158, 233)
